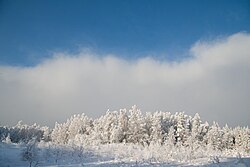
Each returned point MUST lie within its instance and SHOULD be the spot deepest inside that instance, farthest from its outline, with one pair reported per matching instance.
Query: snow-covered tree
(59, 134)
(79, 124)
(156, 130)
(171, 138)
(119, 126)
(137, 132)
(46, 134)
(242, 139)
(7, 139)
(181, 127)
(196, 123)
(214, 137)
(228, 138)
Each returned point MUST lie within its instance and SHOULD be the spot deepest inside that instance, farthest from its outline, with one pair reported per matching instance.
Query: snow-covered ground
(110, 155)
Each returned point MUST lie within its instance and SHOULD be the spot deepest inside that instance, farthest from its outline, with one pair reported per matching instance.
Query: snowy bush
(30, 153)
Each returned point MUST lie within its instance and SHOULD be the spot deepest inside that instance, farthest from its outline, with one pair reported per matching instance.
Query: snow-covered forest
(127, 136)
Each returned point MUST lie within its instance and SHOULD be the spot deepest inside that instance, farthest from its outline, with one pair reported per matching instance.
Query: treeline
(131, 126)
(24, 133)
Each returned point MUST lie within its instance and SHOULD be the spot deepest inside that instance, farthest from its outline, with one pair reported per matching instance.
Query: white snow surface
(51, 155)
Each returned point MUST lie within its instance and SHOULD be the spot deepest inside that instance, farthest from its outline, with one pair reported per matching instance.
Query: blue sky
(59, 58)
(30, 30)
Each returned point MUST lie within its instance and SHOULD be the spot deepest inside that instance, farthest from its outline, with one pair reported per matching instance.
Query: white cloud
(214, 82)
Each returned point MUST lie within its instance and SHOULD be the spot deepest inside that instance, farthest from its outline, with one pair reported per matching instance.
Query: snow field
(115, 155)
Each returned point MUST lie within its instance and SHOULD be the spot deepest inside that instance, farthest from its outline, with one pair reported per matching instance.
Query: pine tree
(214, 137)
(196, 122)
(228, 138)
(181, 127)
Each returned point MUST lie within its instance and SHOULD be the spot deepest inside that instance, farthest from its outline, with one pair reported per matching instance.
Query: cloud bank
(213, 82)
